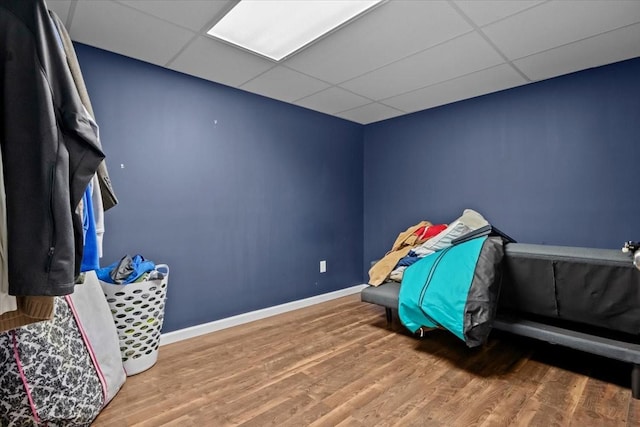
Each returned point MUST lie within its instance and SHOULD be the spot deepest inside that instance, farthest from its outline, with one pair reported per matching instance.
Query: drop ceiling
(402, 57)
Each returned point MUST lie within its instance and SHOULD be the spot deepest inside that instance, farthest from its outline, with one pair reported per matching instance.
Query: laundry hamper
(138, 312)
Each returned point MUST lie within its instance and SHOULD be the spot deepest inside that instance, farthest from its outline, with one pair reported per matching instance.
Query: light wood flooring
(337, 364)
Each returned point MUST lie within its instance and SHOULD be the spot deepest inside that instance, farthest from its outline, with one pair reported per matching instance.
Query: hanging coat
(50, 150)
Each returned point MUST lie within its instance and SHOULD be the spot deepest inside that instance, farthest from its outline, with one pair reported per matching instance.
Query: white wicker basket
(138, 311)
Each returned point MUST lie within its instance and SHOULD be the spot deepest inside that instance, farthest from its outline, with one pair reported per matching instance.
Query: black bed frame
(387, 296)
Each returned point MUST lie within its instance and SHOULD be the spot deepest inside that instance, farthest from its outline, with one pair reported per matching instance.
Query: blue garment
(408, 260)
(90, 258)
(125, 271)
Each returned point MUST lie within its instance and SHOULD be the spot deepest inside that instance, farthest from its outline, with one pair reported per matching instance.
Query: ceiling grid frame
(478, 29)
(614, 23)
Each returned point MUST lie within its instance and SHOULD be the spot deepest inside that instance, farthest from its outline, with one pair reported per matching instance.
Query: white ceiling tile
(213, 60)
(370, 113)
(192, 14)
(119, 29)
(556, 23)
(613, 46)
(487, 11)
(454, 58)
(333, 100)
(284, 84)
(61, 8)
(482, 82)
(388, 33)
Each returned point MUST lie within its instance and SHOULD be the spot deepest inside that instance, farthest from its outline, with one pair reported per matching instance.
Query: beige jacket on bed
(405, 241)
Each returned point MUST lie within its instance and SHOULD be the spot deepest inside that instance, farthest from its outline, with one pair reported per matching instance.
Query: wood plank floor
(337, 364)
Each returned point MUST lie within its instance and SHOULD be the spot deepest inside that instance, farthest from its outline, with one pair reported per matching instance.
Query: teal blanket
(455, 288)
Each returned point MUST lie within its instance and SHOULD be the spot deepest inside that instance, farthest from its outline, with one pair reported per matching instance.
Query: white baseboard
(194, 331)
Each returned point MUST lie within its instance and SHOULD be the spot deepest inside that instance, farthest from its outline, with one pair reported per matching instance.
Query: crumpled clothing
(125, 271)
(408, 260)
(405, 241)
(397, 274)
(152, 275)
(469, 220)
(429, 231)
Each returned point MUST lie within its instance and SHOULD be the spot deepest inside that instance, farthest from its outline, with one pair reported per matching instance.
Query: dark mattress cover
(599, 287)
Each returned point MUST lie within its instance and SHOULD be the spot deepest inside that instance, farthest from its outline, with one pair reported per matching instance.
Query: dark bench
(600, 342)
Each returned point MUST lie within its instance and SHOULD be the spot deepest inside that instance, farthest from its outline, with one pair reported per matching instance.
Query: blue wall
(241, 195)
(554, 162)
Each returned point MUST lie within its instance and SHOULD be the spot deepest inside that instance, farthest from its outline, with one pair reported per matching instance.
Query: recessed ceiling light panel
(278, 28)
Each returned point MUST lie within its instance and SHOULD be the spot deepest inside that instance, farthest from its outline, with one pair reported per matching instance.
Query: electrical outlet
(323, 266)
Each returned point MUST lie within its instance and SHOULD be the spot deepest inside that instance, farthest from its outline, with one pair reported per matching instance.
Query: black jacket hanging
(49, 148)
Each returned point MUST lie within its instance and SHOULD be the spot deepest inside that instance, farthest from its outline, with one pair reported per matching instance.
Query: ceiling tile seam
(336, 87)
(578, 41)
(70, 14)
(150, 15)
(295, 101)
(373, 70)
(202, 32)
(486, 38)
(181, 50)
(526, 9)
(366, 105)
(257, 75)
(394, 108)
(331, 85)
(381, 100)
(367, 121)
(308, 75)
(166, 21)
(354, 108)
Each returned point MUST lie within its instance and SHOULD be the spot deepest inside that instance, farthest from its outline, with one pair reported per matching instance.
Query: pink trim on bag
(87, 343)
(34, 411)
